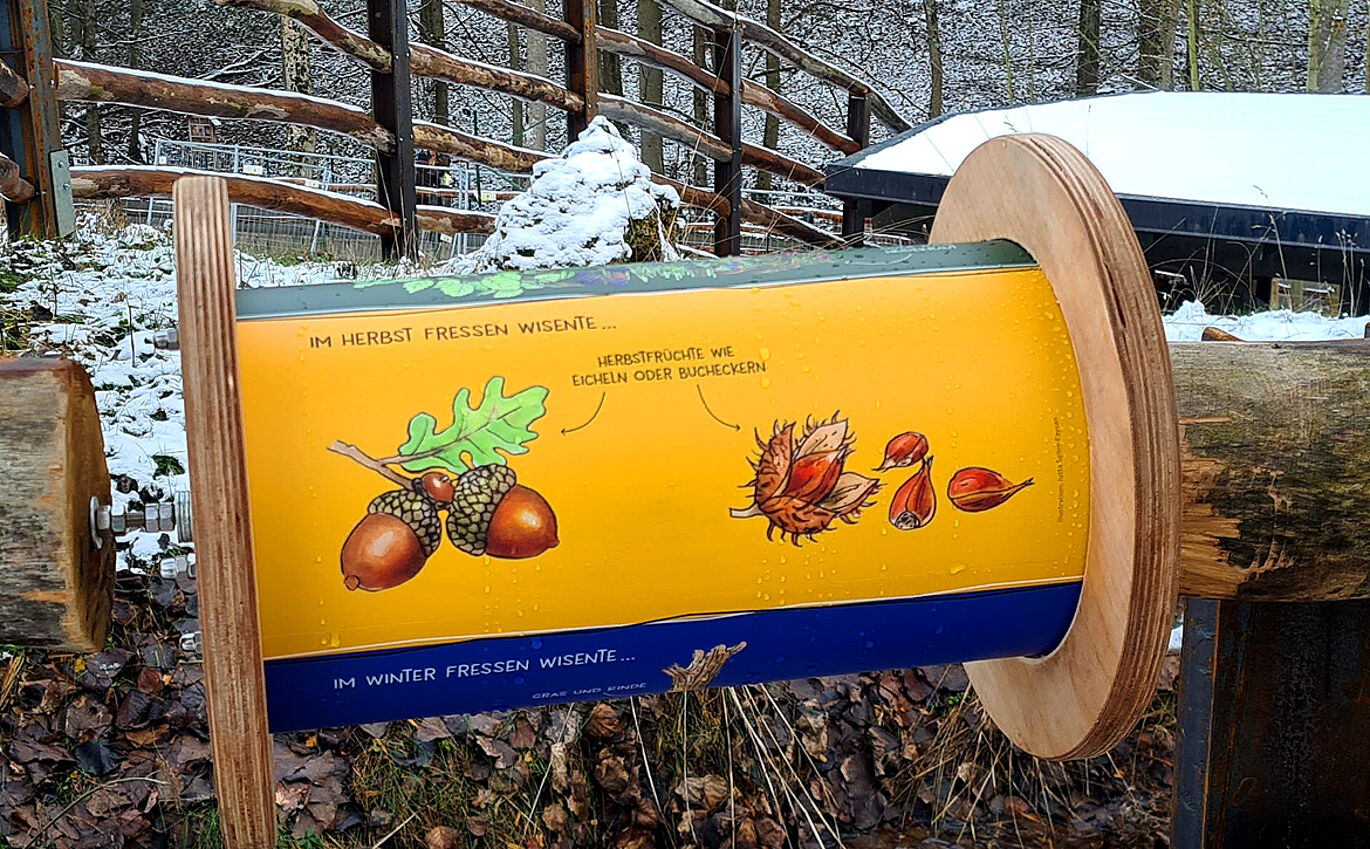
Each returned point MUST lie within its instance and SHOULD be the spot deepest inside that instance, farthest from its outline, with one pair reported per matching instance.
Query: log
(503, 157)
(758, 95)
(1276, 447)
(56, 587)
(424, 60)
(695, 196)
(778, 163)
(524, 16)
(13, 89)
(667, 126)
(624, 44)
(104, 182)
(773, 220)
(13, 187)
(763, 36)
(84, 81)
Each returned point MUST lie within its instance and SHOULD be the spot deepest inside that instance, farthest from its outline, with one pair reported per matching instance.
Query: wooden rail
(117, 181)
(13, 89)
(13, 187)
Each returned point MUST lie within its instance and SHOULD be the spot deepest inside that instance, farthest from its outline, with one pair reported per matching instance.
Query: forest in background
(928, 57)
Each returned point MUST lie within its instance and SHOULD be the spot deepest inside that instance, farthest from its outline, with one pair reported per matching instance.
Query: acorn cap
(479, 492)
(416, 510)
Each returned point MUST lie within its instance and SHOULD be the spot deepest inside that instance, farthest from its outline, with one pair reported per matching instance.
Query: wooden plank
(625, 44)
(57, 586)
(235, 684)
(526, 17)
(758, 95)
(387, 23)
(1085, 696)
(667, 126)
(1273, 724)
(781, 165)
(13, 89)
(728, 126)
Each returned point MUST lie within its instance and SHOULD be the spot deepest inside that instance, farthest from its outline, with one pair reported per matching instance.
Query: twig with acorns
(460, 470)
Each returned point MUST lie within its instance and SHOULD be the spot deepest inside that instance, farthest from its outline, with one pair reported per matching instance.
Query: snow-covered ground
(102, 298)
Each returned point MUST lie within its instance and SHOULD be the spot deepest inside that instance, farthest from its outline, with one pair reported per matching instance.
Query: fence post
(859, 128)
(728, 127)
(582, 65)
(387, 23)
(30, 133)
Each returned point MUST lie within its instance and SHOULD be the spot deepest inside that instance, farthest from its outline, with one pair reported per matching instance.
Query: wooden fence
(390, 130)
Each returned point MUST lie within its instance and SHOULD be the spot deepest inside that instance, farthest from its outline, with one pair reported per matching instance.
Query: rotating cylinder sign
(496, 503)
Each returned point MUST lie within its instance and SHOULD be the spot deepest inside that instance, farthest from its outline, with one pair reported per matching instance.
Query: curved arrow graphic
(593, 416)
(700, 389)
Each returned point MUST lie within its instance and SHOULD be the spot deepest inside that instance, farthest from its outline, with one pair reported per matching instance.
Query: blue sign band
(500, 673)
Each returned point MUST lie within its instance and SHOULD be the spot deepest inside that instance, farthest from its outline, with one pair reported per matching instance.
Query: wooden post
(582, 66)
(859, 128)
(1273, 724)
(387, 23)
(57, 585)
(728, 127)
(235, 683)
(29, 131)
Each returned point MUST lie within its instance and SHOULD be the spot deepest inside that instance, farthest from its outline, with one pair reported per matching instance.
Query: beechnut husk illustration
(459, 470)
(801, 485)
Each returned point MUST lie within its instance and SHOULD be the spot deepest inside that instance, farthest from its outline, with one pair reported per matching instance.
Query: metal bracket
(64, 209)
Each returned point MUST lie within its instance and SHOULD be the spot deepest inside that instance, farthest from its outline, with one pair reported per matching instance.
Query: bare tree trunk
(1326, 44)
(1192, 44)
(95, 146)
(1087, 50)
(649, 85)
(610, 65)
(433, 32)
(703, 114)
(295, 70)
(770, 136)
(1157, 21)
(535, 133)
(1008, 54)
(516, 105)
(135, 39)
(934, 58)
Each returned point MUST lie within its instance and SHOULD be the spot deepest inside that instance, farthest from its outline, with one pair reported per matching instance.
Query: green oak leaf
(481, 433)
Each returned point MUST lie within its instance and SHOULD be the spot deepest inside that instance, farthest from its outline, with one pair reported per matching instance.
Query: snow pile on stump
(593, 205)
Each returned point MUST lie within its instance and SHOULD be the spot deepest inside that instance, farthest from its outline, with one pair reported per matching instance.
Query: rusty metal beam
(30, 132)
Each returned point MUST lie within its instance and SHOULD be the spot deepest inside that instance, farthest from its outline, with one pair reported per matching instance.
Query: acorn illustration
(401, 530)
(493, 514)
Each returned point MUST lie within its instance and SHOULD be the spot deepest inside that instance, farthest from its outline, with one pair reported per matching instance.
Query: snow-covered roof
(1275, 151)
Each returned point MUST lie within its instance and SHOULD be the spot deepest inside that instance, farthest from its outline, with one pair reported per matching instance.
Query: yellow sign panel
(649, 456)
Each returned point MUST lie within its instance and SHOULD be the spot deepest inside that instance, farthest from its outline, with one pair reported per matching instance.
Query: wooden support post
(582, 66)
(29, 131)
(1273, 724)
(387, 23)
(728, 127)
(859, 128)
(235, 684)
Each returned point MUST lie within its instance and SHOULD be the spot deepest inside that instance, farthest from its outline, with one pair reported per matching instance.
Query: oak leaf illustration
(479, 435)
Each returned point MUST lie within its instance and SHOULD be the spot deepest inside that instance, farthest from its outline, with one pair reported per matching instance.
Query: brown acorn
(493, 514)
(400, 531)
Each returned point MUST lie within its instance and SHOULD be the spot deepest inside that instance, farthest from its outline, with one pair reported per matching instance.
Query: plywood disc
(1043, 194)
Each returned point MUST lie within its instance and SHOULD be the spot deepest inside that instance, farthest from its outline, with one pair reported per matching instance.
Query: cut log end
(58, 586)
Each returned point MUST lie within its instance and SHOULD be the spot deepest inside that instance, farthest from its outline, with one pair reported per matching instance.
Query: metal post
(29, 132)
(1274, 721)
(387, 23)
(728, 127)
(859, 128)
(582, 66)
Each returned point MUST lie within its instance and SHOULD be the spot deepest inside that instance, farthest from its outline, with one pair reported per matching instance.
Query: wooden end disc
(1084, 697)
(57, 584)
(235, 683)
